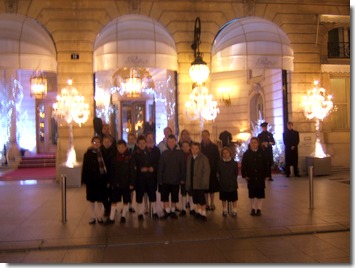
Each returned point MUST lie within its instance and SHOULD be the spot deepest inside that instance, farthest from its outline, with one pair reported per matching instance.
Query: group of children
(112, 170)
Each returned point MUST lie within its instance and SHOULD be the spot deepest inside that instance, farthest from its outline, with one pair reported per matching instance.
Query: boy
(198, 179)
(122, 180)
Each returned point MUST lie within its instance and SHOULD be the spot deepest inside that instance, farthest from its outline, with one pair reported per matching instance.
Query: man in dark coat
(291, 139)
(267, 141)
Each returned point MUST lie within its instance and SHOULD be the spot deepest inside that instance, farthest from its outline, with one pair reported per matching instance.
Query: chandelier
(38, 83)
(70, 106)
(200, 103)
(316, 104)
(132, 82)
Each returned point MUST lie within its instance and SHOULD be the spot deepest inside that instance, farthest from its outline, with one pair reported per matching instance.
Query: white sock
(203, 212)
(259, 203)
(92, 208)
(253, 203)
(154, 207)
(199, 211)
(113, 211)
(124, 210)
(183, 201)
(140, 208)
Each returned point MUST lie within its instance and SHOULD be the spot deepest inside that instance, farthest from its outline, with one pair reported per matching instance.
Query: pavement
(290, 230)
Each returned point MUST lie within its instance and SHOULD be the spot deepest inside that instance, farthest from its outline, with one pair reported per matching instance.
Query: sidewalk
(32, 231)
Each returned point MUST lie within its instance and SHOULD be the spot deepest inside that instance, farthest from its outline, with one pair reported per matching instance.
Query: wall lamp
(199, 70)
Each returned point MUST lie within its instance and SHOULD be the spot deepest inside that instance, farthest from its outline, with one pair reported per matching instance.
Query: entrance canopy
(134, 41)
(251, 43)
(25, 44)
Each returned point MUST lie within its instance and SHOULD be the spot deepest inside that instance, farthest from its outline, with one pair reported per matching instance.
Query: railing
(338, 49)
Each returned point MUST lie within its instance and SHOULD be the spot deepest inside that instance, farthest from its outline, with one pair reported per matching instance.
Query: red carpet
(47, 173)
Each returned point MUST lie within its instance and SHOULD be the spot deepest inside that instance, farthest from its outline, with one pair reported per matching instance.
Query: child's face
(226, 154)
(254, 144)
(131, 139)
(142, 144)
(185, 147)
(106, 143)
(171, 143)
(121, 148)
(195, 149)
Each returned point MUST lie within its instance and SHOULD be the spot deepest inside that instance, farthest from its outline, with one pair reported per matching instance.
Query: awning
(328, 18)
(251, 43)
(134, 41)
(335, 68)
(25, 44)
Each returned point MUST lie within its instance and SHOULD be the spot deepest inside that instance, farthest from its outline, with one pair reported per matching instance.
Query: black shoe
(203, 218)
(258, 212)
(252, 213)
(131, 210)
(192, 212)
(224, 213)
(197, 216)
(166, 215)
(155, 216)
(100, 220)
(208, 208)
(141, 217)
(123, 220)
(183, 213)
(234, 214)
(109, 221)
(212, 207)
(92, 221)
(173, 215)
(177, 210)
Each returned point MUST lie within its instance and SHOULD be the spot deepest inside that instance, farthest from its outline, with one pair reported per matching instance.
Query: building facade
(263, 57)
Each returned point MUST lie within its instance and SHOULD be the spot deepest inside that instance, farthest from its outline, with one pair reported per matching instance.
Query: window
(340, 89)
(339, 43)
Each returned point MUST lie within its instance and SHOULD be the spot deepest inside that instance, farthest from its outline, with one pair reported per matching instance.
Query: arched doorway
(136, 52)
(248, 56)
(26, 47)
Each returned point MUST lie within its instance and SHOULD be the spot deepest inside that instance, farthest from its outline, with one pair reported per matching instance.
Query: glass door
(46, 128)
(133, 118)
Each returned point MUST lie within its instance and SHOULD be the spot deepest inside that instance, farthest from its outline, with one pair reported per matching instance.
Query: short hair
(205, 131)
(108, 137)
(141, 138)
(196, 144)
(185, 142)
(119, 142)
(226, 148)
(96, 138)
(172, 136)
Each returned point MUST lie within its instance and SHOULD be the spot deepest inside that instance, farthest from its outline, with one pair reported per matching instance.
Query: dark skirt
(228, 196)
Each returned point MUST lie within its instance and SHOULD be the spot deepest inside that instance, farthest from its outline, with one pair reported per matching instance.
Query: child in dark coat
(255, 169)
(122, 180)
(228, 174)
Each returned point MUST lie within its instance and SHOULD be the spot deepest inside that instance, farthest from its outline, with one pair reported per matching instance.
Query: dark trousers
(291, 159)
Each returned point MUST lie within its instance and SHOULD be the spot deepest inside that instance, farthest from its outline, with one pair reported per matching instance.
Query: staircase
(37, 161)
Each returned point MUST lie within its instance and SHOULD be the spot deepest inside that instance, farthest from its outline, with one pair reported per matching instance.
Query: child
(186, 148)
(93, 175)
(170, 175)
(255, 168)
(228, 174)
(122, 180)
(198, 179)
(147, 162)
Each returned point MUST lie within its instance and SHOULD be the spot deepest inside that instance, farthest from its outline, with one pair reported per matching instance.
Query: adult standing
(210, 150)
(163, 144)
(291, 140)
(254, 170)
(93, 175)
(267, 141)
